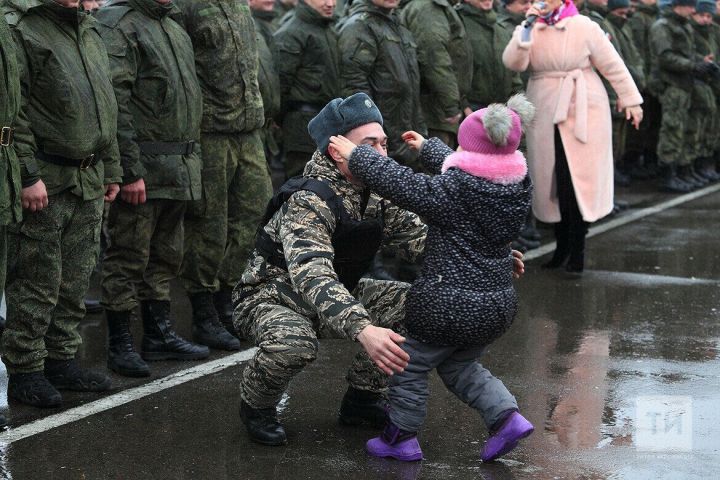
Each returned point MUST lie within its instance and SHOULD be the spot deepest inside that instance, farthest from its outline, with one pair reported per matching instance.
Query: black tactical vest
(355, 241)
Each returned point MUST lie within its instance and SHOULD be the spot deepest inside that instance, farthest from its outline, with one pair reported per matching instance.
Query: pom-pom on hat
(340, 116)
(490, 138)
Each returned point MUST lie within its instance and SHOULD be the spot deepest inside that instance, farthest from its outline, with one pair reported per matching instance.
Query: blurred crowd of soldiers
(187, 110)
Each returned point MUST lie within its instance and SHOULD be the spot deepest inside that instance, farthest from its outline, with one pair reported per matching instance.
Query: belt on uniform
(6, 136)
(81, 163)
(167, 148)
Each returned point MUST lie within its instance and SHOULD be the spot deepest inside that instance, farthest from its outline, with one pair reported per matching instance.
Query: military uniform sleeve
(405, 233)
(24, 142)
(288, 55)
(123, 57)
(305, 230)
(439, 76)
(359, 53)
(667, 58)
(420, 193)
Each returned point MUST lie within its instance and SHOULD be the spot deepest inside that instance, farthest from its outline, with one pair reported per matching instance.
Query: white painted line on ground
(630, 217)
(126, 396)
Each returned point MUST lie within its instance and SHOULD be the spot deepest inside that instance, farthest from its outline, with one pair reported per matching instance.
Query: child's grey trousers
(462, 374)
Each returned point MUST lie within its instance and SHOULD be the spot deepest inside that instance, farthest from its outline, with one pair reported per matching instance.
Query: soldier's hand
(454, 120)
(414, 140)
(34, 197)
(111, 191)
(518, 264)
(343, 146)
(383, 347)
(133, 193)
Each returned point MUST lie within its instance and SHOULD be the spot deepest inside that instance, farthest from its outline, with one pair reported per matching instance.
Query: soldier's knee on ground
(293, 352)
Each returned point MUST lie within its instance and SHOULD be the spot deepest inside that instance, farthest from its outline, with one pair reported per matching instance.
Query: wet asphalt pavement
(586, 359)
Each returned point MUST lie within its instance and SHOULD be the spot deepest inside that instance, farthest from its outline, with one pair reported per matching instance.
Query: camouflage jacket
(673, 48)
(226, 58)
(379, 58)
(445, 58)
(306, 55)
(10, 209)
(508, 20)
(596, 13)
(159, 97)
(492, 81)
(705, 89)
(305, 226)
(639, 26)
(281, 10)
(268, 77)
(622, 41)
(68, 106)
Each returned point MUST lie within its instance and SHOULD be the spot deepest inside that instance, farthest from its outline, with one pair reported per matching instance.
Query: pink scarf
(567, 9)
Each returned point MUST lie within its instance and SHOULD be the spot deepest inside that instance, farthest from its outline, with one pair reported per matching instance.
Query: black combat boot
(361, 406)
(224, 308)
(33, 389)
(92, 306)
(207, 329)
(562, 247)
(122, 357)
(262, 425)
(160, 342)
(671, 182)
(685, 174)
(67, 375)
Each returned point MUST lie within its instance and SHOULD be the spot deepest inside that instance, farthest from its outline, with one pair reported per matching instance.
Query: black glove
(703, 69)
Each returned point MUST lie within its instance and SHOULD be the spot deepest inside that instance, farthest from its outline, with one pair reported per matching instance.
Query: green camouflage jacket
(10, 208)
(445, 58)
(596, 13)
(226, 58)
(68, 105)
(379, 58)
(673, 48)
(306, 55)
(509, 21)
(639, 26)
(492, 81)
(706, 89)
(268, 77)
(305, 226)
(158, 93)
(615, 27)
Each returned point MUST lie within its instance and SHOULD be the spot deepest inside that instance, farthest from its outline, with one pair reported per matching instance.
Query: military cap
(706, 6)
(683, 3)
(342, 115)
(615, 4)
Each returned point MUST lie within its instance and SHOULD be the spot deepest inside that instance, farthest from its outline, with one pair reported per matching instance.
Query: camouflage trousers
(672, 146)
(220, 228)
(288, 341)
(52, 254)
(144, 252)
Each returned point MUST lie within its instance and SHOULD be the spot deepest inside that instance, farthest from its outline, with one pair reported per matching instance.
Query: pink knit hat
(490, 138)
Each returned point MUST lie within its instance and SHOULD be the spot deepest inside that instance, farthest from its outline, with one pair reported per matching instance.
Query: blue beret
(340, 116)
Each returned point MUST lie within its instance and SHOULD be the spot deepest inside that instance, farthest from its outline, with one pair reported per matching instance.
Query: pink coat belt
(573, 81)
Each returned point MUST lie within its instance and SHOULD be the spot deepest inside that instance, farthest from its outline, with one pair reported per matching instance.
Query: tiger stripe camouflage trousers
(287, 341)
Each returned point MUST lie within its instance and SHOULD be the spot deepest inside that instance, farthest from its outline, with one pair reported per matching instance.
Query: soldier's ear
(335, 155)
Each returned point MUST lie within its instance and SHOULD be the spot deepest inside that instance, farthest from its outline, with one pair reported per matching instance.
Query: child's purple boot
(506, 438)
(395, 443)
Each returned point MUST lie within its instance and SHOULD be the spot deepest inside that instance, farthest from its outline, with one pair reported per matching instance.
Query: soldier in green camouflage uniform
(509, 17)
(492, 81)
(614, 25)
(282, 8)
(236, 182)
(283, 308)
(704, 116)
(445, 58)
(306, 55)
(677, 65)
(67, 148)
(644, 141)
(160, 106)
(595, 10)
(378, 57)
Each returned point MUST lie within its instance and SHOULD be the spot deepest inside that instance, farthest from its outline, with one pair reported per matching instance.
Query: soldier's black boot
(207, 329)
(92, 305)
(224, 308)
(122, 357)
(262, 425)
(160, 342)
(562, 248)
(671, 182)
(684, 173)
(3, 420)
(33, 389)
(360, 406)
(67, 375)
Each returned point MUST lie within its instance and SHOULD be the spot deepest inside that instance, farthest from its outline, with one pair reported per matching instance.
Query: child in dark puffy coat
(463, 299)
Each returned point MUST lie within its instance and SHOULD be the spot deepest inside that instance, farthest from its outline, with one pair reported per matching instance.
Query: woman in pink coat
(570, 143)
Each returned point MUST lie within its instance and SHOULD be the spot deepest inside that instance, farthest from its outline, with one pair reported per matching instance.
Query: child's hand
(343, 146)
(414, 139)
